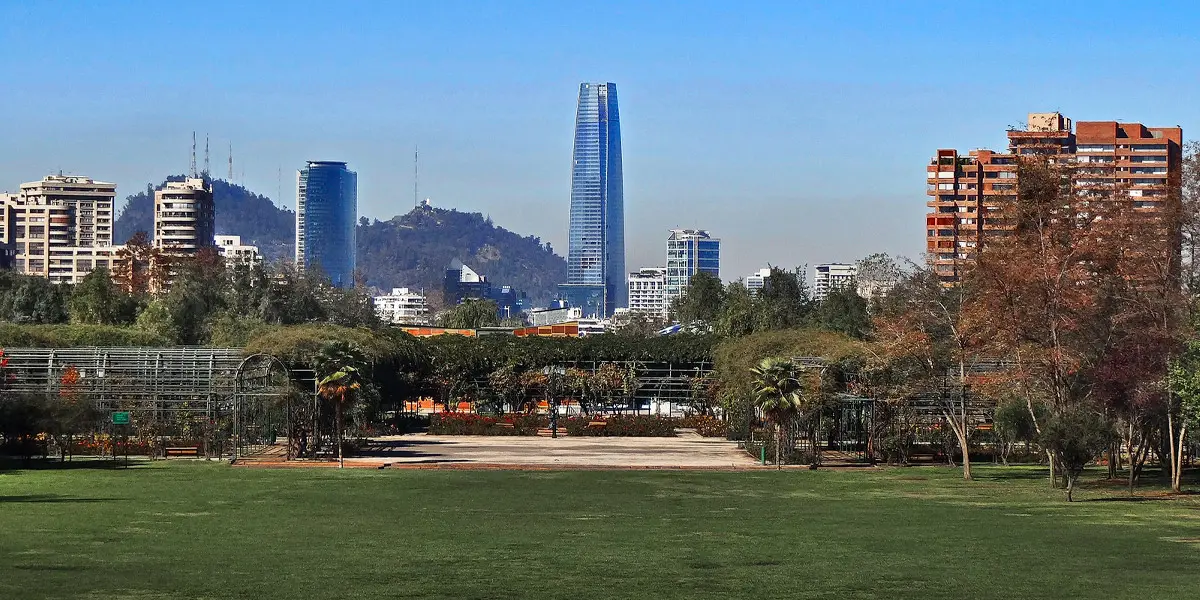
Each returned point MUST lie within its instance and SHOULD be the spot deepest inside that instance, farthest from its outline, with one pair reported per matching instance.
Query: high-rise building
(184, 217)
(647, 291)
(463, 283)
(690, 251)
(596, 239)
(60, 227)
(829, 277)
(402, 306)
(235, 252)
(967, 192)
(326, 215)
(756, 280)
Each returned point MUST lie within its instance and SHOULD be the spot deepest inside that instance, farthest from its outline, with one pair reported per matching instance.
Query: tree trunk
(341, 459)
(1070, 487)
(1053, 471)
(778, 444)
(1177, 459)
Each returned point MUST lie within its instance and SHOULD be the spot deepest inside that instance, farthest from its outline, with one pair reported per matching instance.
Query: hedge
(13, 335)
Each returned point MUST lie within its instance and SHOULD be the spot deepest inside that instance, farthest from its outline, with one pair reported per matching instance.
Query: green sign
(120, 418)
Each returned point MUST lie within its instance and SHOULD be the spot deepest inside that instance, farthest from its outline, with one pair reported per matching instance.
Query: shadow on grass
(48, 568)
(1010, 474)
(9, 465)
(49, 499)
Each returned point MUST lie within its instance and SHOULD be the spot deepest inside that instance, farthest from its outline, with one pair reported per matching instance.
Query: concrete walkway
(462, 451)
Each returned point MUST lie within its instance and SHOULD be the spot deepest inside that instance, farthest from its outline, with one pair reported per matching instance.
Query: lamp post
(554, 377)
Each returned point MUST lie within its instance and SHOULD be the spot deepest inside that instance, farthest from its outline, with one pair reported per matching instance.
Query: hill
(410, 250)
(414, 250)
(239, 212)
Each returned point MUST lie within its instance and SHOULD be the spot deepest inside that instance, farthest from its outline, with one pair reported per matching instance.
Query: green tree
(158, 320)
(737, 312)
(97, 301)
(1075, 437)
(471, 314)
(844, 311)
(777, 395)
(28, 299)
(784, 301)
(1013, 423)
(701, 301)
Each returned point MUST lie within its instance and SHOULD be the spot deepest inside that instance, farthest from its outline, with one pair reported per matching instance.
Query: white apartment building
(648, 291)
(828, 277)
(756, 280)
(403, 306)
(60, 227)
(184, 216)
(235, 252)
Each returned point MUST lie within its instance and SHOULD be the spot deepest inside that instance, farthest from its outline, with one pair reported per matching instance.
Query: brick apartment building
(963, 190)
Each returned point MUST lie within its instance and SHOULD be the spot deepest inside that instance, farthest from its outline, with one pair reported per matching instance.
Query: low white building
(648, 291)
(831, 276)
(403, 306)
(235, 252)
(756, 280)
(553, 316)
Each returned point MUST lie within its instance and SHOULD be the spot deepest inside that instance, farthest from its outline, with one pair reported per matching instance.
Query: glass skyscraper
(326, 214)
(690, 251)
(596, 241)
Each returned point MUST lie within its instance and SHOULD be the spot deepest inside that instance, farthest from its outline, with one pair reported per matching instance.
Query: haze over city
(796, 132)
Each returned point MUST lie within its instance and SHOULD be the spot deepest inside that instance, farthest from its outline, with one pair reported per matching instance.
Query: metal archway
(261, 407)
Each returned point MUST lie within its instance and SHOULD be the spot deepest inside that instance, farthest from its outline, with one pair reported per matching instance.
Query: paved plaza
(536, 452)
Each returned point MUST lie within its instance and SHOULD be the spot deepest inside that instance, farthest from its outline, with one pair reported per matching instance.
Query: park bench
(504, 425)
(193, 451)
(596, 423)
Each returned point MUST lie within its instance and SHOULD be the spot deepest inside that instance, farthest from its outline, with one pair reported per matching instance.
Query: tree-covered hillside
(410, 250)
(414, 249)
(239, 212)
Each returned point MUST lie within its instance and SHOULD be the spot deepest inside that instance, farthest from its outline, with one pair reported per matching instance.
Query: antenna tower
(416, 178)
(193, 171)
(205, 171)
(230, 178)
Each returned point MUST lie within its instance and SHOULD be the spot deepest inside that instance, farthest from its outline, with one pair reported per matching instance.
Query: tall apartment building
(829, 277)
(647, 291)
(60, 227)
(326, 217)
(402, 306)
(184, 217)
(235, 252)
(966, 192)
(690, 251)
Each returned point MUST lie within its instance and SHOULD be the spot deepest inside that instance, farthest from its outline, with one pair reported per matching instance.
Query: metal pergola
(175, 392)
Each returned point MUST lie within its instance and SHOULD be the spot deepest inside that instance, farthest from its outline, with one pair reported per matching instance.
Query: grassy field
(184, 530)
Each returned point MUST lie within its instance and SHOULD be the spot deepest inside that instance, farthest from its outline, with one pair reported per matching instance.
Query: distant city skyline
(797, 131)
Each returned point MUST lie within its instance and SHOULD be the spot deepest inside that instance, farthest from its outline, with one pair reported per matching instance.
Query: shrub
(622, 426)
(449, 423)
(706, 425)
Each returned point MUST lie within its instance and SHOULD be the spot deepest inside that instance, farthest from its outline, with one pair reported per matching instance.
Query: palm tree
(777, 395)
(340, 388)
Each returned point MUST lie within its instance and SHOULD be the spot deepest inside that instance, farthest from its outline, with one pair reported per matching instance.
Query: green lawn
(185, 530)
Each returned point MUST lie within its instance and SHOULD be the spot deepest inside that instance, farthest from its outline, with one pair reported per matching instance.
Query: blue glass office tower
(596, 242)
(690, 251)
(326, 214)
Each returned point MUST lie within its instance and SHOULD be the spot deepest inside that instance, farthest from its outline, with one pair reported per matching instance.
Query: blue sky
(795, 131)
